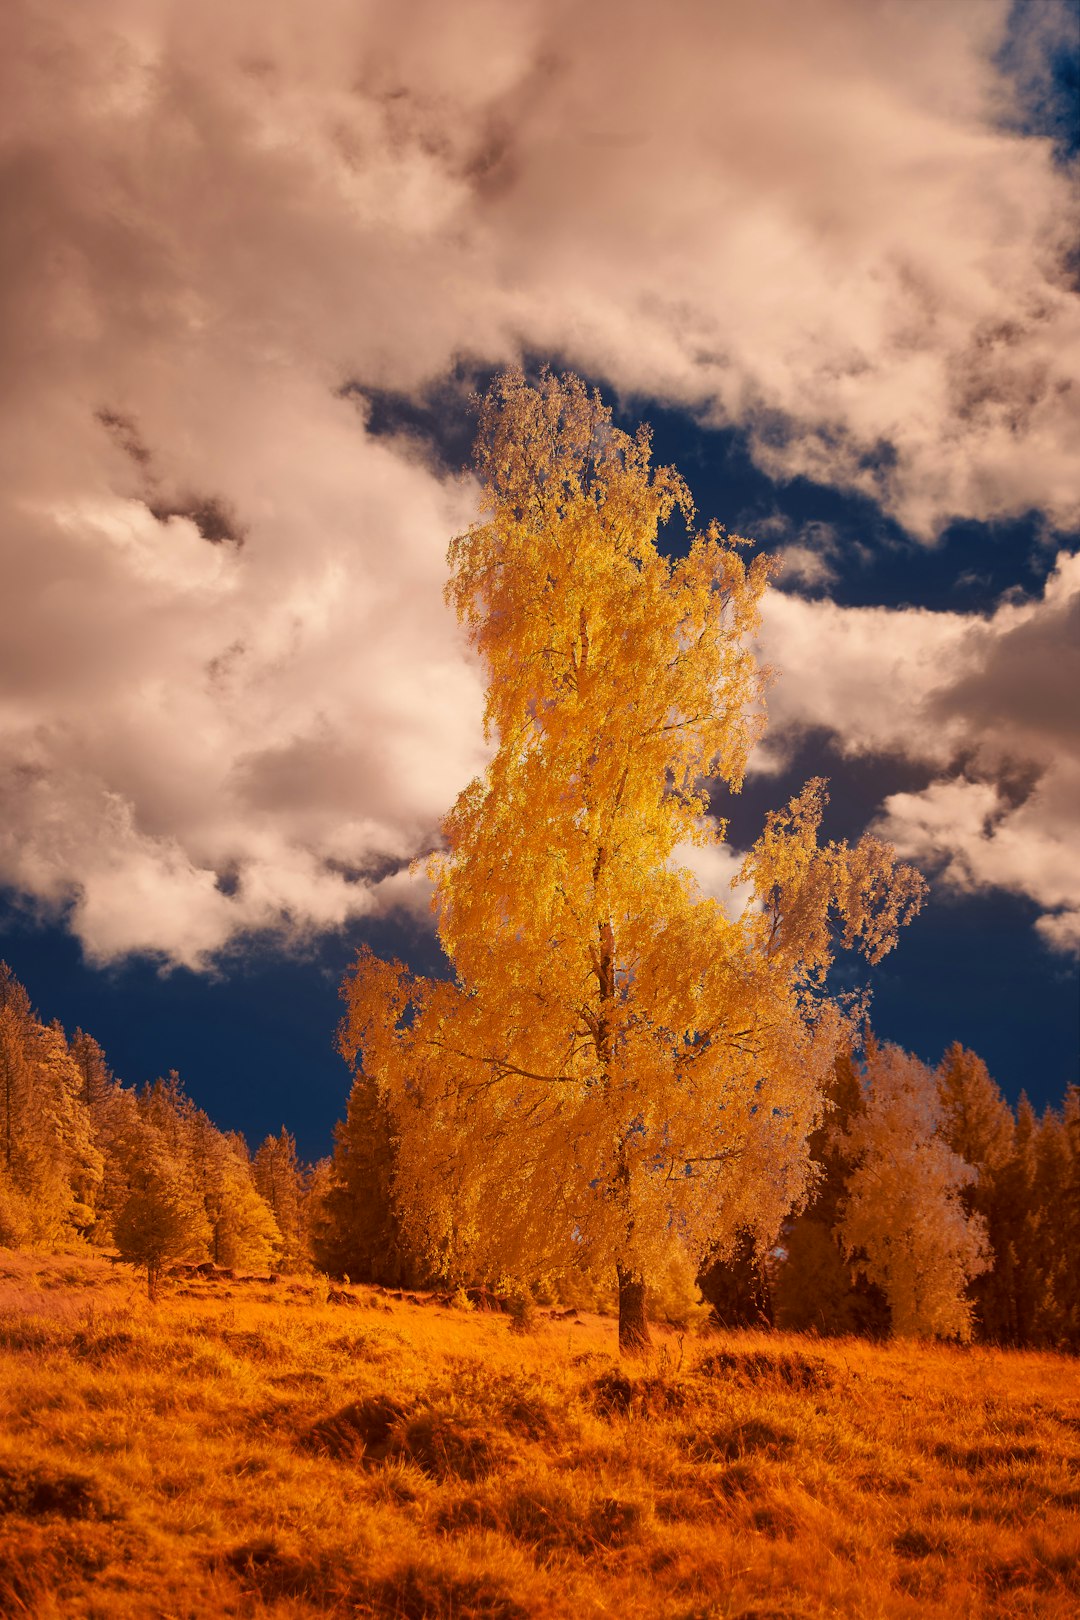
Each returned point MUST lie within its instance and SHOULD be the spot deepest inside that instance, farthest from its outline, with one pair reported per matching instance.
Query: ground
(253, 1448)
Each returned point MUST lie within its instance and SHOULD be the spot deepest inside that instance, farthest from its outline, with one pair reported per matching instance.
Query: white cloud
(715, 867)
(990, 702)
(979, 841)
(809, 220)
(199, 740)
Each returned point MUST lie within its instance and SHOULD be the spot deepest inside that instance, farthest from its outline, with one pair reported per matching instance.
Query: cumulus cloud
(979, 840)
(715, 867)
(231, 696)
(989, 703)
(202, 739)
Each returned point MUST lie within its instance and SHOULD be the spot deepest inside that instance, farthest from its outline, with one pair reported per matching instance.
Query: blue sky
(827, 251)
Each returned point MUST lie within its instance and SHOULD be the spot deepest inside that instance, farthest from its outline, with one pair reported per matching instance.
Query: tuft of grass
(253, 1450)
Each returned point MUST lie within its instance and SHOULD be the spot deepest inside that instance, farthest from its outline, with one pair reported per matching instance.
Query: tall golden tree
(620, 1062)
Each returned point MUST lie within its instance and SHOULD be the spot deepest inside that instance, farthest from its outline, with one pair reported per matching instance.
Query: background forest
(938, 1210)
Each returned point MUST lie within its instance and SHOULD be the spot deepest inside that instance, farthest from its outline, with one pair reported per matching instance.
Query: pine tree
(737, 1286)
(18, 1030)
(1053, 1186)
(358, 1233)
(280, 1180)
(50, 1167)
(978, 1125)
(1069, 1218)
(245, 1236)
(1021, 1259)
(159, 1221)
(817, 1287)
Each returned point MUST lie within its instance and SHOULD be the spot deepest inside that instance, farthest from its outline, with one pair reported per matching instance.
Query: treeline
(936, 1210)
(143, 1171)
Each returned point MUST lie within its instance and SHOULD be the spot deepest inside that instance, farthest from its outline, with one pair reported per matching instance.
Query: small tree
(244, 1233)
(815, 1287)
(620, 1061)
(358, 1232)
(50, 1165)
(279, 1179)
(977, 1124)
(904, 1218)
(159, 1222)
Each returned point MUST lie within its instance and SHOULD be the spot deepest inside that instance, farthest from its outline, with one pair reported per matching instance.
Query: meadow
(246, 1447)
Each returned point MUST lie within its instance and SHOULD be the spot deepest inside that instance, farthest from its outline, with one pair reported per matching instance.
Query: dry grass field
(245, 1448)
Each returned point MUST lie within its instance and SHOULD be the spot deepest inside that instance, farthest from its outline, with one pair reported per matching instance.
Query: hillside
(247, 1447)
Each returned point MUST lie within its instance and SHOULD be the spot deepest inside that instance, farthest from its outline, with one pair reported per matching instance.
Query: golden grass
(245, 1449)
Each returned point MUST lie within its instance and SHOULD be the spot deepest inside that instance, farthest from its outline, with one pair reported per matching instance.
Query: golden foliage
(620, 1057)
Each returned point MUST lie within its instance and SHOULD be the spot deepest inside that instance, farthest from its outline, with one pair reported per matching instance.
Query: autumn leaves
(620, 1064)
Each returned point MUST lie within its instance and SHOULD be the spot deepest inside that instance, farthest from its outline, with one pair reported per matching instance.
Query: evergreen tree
(245, 1234)
(978, 1125)
(159, 1221)
(98, 1082)
(1069, 1217)
(17, 1036)
(50, 1167)
(817, 1287)
(736, 1286)
(280, 1180)
(1053, 1193)
(1021, 1260)
(358, 1233)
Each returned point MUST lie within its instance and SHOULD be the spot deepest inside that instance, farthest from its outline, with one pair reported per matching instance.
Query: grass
(252, 1449)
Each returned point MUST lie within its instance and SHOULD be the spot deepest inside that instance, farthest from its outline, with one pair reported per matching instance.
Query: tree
(1022, 1258)
(1069, 1220)
(737, 1288)
(978, 1125)
(280, 1180)
(50, 1166)
(159, 1220)
(243, 1232)
(1054, 1211)
(619, 1059)
(903, 1213)
(816, 1287)
(358, 1232)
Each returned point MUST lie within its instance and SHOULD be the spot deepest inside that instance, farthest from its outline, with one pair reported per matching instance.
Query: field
(246, 1448)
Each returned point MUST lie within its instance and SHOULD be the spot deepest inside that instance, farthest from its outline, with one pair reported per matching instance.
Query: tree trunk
(633, 1323)
(153, 1273)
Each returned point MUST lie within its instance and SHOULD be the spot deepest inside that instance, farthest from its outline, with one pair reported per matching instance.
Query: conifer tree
(97, 1078)
(243, 1232)
(60, 1138)
(1053, 1195)
(16, 1045)
(159, 1221)
(1069, 1221)
(50, 1167)
(280, 1180)
(818, 1287)
(618, 1059)
(358, 1233)
(1019, 1259)
(978, 1125)
(737, 1286)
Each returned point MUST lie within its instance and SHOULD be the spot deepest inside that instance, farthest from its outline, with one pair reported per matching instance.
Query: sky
(254, 260)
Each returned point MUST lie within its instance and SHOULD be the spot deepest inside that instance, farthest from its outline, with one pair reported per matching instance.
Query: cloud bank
(230, 696)
(988, 703)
